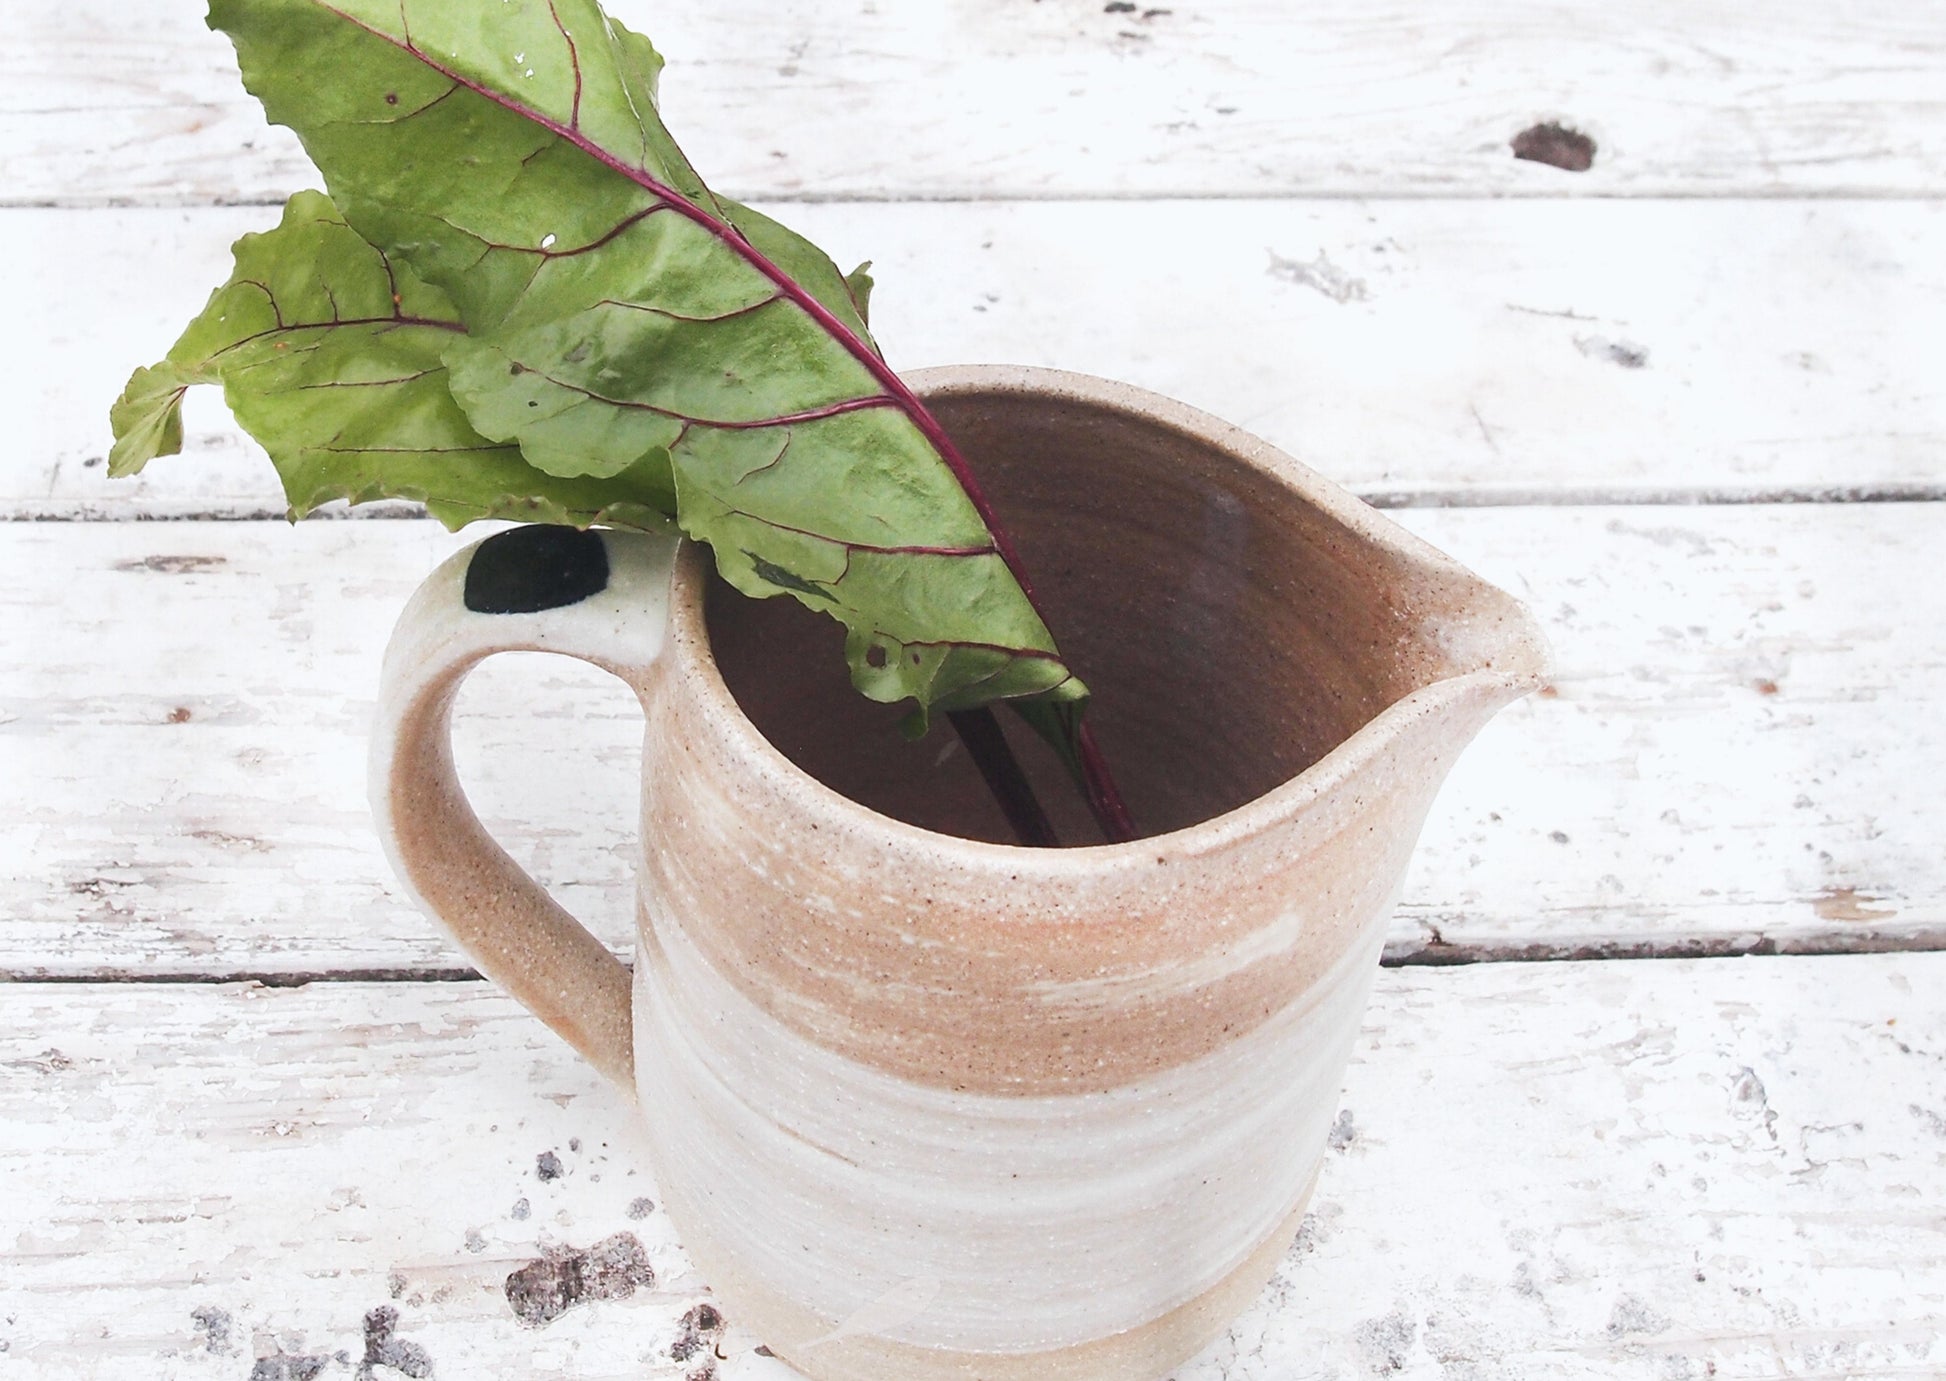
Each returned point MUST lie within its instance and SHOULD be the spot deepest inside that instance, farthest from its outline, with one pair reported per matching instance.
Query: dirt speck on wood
(546, 1288)
(1627, 354)
(1387, 1342)
(383, 1348)
(1555, 145)
(1850, 904)
(1319, 274)
(697, 1332)
(1631, 1317)
(284, 1366)
(214, 1325)
(173, 565)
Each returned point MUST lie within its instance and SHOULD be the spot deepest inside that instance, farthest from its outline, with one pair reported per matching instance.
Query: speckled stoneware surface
(924, 1104)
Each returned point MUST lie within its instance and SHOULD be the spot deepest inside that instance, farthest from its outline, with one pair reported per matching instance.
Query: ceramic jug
(922, 1103)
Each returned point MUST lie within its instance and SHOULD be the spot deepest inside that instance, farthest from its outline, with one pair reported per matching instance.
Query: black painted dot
(527, 569)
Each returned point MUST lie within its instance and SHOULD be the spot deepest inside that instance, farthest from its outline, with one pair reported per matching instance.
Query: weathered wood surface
(1742, 747)
(113, 103)
(1306, 218)
(1453, 351)
(1722, 1168)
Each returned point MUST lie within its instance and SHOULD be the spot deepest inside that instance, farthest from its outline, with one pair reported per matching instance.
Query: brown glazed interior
(1241, 621)
(1233, 632)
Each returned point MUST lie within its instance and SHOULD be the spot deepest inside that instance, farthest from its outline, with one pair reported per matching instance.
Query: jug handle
(601, 597)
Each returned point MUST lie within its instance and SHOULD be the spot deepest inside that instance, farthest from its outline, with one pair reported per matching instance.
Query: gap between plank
(1508, 496)
(990, 197)
(298, 979)
(1435, 954)
(1471, 496)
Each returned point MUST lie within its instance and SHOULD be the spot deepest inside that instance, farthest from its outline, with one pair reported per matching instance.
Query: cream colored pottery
(931, 1106)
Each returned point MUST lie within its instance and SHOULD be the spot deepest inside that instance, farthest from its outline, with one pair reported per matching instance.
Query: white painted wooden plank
(1402, 347)
(107, 102)
(1742, 749)
(1721, 1168)
(1742, 746)
(186, 676)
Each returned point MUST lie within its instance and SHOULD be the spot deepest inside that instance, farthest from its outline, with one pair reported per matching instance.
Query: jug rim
(1499, 679)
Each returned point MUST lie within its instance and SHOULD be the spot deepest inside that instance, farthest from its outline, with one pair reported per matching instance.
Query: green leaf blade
(332, 357)
(147, 418)
(621, 319)
(845, 296)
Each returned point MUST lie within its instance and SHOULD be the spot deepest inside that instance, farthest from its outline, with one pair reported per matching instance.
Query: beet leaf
(621, 319)
(331, 356)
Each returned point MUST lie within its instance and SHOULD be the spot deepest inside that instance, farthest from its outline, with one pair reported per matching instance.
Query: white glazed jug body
(925, 1104)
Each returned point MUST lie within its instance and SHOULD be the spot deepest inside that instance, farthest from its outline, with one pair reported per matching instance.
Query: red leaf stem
(988, 748)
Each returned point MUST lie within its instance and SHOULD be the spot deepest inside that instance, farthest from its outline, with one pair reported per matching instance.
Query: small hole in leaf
(875, 656)
(391, 98)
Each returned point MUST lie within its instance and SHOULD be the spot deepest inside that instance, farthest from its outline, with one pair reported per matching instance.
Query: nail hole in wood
(1555, 145)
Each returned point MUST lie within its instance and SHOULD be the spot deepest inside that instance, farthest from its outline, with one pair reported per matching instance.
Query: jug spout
(1494, 647)
(1475, 650)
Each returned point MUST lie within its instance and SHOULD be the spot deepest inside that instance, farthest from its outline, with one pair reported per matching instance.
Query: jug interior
(1231, 630)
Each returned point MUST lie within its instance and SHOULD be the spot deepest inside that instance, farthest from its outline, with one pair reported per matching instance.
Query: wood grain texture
(1422, 350)
(1305, 218)
(1741, 749)
(1539, 1171)
(111, 104)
